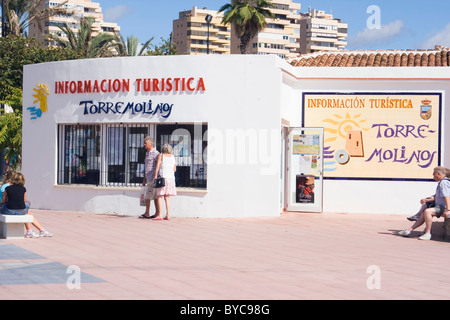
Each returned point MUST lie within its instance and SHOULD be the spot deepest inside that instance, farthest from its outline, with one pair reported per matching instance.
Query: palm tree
(21, 13)
(85, 43)
(248, 18)
(130, 47)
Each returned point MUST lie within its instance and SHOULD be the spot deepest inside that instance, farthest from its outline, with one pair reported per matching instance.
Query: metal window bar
(188, 149)
(136, 154)
(126, 154)
(80, 163)
(199, 168)
(114, 155)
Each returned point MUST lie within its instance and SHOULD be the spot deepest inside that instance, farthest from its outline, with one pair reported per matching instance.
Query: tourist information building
(252, 135)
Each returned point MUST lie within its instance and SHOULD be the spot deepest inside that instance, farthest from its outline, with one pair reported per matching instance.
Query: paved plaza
(292, 257)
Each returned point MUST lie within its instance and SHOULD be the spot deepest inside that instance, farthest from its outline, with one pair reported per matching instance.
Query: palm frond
(132, 45)
(145, 46)
(248, 18)
(22, 13)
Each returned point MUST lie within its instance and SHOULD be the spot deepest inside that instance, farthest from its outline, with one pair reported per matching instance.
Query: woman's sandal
(143, 216)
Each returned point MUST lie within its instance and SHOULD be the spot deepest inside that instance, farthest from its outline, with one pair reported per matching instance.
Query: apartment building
(76, 9)
(193, 34)
(319, 31)
(288, 34)
(281, 35)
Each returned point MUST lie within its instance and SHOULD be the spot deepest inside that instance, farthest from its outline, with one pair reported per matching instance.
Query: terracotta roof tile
(343, 60)
(357, 60)
(432, 60)
(398, 60)
(438, 57)
(417, 59)
(350, 59)
(330, 60)
(444, 55)
(337, 60)
(411, 59)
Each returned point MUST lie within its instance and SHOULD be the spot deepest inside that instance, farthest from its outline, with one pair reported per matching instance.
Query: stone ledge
(12, 226)
(447, 229)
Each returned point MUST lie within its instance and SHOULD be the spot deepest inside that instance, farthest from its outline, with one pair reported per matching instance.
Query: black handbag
(159, 182)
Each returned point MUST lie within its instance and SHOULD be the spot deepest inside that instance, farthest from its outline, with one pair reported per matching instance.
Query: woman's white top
(167, 167)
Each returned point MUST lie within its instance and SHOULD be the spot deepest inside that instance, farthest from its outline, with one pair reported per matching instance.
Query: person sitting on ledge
(441, 205)
(15, 203)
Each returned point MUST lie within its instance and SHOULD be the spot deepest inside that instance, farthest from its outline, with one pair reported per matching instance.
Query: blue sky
(372, 24)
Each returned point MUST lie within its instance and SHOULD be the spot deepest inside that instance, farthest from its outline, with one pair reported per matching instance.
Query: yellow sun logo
(350, 129)
(41, 93)
(41, 96)
(341, 126)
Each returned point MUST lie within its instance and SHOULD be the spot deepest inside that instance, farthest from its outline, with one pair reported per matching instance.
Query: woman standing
(166, 167)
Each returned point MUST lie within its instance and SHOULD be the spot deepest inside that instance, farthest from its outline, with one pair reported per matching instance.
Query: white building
(77, 9)
(281, 36)
(237, 141)
(191, 32)
(85, 153)
(320, 31)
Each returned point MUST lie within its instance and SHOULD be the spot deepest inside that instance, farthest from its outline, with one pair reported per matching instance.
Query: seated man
(426, 202)
(441, 205)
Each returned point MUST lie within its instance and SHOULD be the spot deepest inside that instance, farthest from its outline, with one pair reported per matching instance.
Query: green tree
(11, 96)
(11, 123)
(17, 51)
(11, 135)
(85, 43)
(130, 47)
(248, 17)
(166, 48)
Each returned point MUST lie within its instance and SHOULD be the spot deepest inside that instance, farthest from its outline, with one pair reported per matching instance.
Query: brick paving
(292, 257)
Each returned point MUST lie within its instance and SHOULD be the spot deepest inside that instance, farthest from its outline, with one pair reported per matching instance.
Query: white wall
(388, 197)
(241, 99)
(246, 97)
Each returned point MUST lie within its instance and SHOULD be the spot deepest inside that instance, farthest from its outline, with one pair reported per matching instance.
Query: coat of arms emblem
(425, 109)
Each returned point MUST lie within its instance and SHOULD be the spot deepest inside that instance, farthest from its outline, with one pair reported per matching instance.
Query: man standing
(151, 158)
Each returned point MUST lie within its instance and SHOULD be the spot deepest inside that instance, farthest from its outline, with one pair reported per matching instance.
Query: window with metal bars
(125, 154)
(80, 155)
(114, 154)
(189, 143)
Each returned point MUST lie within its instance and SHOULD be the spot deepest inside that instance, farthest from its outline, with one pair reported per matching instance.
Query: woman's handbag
(159, 182)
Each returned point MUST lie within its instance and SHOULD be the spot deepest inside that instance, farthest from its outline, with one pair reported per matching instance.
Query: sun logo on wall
(350, 130)
(41, 93)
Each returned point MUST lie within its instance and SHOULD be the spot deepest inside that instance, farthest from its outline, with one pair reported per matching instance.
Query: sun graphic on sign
(350, 130)
(340, 126)
(41, 93)
(41, 96)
